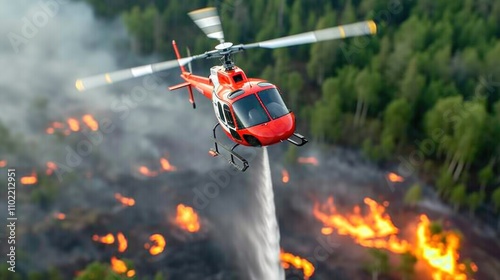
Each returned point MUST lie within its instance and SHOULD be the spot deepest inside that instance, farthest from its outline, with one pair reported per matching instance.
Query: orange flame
(158, 244)
(285, 177)
(49, 130)
(3, 163)
(166, 166)
(374, 230)
(90, 122)
(122, 242)
(308, 160)
(106, 239)
(118, 265)
(29, 180)
(395, 178)
(187, 218)
(288, 259)
(440, 251)
(74, 125)
(131, 273)
(125, 201)
(60, 216)
(144, 170)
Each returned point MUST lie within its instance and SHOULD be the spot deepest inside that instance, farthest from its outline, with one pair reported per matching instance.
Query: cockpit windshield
(271, 98)
(249, 112)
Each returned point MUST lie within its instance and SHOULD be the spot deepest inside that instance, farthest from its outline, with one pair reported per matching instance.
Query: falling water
(246, 221)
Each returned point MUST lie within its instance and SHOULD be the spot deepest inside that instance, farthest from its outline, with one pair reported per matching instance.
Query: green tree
(495, 199)
(486, 175)
(413, 195)
(474, 200)
(407, 265)
(397, 118)
(412, 83)
(379, 263)
(142, 24)
(444, 183)
(295, 87)
(458, 196)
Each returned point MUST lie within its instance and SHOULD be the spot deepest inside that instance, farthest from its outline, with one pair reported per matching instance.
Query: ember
(125, 201)
(118, 265)
(308, 160)
(144, 170)
(73, 124)
(166, 166)
(51, 167)
(106, 239)
(90, 122)
(285, 177)
(395, 178)
(60, 216)
(158, 244)
(288, 259)
(122, 242)
(29, 180)
(3, 163)
(187, 218)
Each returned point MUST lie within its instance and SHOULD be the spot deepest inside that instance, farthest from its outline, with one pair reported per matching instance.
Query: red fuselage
(250, 111)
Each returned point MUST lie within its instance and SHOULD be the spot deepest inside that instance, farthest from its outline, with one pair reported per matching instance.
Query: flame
(125, 201)
(90, 122)
(106, 239)
(60, 216)
(187, 218)
(166, 166)
(395, 178)
(158, 244)
(144, 170)
(49, 130)
(3, 163)
(29, 180)
(288, 259)
(74, 125)
(308, 160)
(374, 230)
(51, 167)
(440, 251)
(118, 265)
(122, 242)
(285, 177)
(131, 273)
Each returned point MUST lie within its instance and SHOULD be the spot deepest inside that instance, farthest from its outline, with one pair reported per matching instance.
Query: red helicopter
(250, 111)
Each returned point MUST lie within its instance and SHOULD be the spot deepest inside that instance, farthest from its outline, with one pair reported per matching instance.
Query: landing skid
(302, 139)
(234, 159)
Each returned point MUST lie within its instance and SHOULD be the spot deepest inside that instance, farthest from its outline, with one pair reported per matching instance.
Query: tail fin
(186, 84)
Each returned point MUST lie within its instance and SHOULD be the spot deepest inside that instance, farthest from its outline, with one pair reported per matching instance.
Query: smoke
(246, 218)
(48, 44)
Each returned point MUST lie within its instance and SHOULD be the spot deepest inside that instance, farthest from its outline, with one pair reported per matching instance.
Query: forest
(423, 93)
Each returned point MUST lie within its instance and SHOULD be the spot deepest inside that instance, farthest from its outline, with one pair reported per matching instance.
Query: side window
(229, 117)
(221, 114)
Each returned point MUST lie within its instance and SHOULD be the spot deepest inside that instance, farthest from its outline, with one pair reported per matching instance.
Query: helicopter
(250, 111)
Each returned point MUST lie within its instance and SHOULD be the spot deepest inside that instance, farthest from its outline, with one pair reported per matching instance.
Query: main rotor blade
(208, 20)
(122, 75)
(339, 32)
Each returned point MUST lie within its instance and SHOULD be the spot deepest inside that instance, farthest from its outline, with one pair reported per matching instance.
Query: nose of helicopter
(275, 130)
